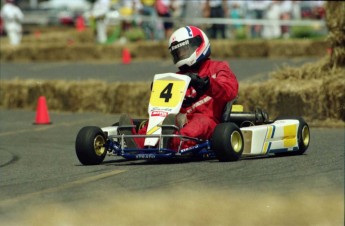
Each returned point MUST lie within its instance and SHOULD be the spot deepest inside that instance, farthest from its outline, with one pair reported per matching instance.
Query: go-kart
(240, 134)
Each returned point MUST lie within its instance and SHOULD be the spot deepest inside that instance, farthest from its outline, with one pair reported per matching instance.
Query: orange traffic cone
(42, 116)
(37, 34)
(126, 56)
(329, 51)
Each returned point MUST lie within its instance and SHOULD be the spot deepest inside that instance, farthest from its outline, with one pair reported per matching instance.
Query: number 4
(166, 92)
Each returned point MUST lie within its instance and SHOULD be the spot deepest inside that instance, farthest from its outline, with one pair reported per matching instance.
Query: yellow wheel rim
(98, 145)
(305, 136)
(236, 141)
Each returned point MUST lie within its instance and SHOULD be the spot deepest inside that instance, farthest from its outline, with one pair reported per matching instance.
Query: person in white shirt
(12, 18)
(272, 28)
(99, 13)
(296, 10)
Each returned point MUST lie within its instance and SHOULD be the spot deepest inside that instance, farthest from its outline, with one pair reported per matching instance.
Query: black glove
(198, 83)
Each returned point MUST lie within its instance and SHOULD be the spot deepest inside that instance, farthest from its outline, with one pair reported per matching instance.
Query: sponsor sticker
(145, 156)
(159, 113)
(179, 45)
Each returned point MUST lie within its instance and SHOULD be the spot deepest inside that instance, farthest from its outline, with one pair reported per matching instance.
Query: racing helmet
(188, 46)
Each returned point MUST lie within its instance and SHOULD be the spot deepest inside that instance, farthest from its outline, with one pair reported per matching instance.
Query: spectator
(296, 13)
(12, 18)
(285, 14)
(150, 26)
(164, 8)
(192, 9)
(235, 14)
(2, 32)
(130, 8)
(256, 11)
(99, 13)
(177, 6)
(216, 9)
(318, 9)
(312, 9)
(272, 29)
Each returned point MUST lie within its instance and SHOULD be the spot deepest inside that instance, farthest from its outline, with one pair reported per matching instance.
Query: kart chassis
(115, 145)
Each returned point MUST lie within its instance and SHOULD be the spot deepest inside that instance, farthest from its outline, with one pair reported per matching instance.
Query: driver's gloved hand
(198, 83)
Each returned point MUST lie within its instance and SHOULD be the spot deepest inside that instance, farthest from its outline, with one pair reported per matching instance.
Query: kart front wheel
(89, 145)
(227, 142)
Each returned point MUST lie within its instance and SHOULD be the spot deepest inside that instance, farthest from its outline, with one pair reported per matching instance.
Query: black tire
(89, 145)
(303, 136)
(227, 142)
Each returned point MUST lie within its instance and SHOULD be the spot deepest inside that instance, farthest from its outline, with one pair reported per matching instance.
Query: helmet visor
(184, 49)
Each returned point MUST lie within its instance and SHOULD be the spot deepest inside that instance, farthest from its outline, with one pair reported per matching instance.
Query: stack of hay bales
(335, 15)
(69, 44)
(76, 96)
(314, 91)
(58, 36)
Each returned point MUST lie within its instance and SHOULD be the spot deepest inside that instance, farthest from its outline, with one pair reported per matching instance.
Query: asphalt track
(38, 165)
(245, 69)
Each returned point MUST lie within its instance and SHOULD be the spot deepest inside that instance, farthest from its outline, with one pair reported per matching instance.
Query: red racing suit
(204, 113)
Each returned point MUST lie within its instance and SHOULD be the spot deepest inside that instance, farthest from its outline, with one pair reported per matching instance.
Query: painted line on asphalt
(62, 187)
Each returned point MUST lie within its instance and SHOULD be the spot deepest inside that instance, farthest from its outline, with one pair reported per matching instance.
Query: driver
(212, 85)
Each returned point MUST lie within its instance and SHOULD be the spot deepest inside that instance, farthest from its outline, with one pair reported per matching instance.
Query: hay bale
(335, 18)
(63, 47)
(61, 52)
(255, 48)
(334, 97)
(76, 96)
(62, 35)
(307, 71)
(222, 48)
(314, 99)
(144, 50)
(313, 91)
(294, 48)
(287, 48)
(280, 99)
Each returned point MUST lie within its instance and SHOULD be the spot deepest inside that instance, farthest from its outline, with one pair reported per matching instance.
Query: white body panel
(167, 95)
(111, 130)
(271, 138)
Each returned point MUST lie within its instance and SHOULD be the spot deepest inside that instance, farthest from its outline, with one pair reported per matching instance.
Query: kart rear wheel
(303, 136)
(227, 142)
(89, 145)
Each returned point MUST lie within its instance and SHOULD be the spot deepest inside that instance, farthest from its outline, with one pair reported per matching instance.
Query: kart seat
(227, 110)
(239, 117)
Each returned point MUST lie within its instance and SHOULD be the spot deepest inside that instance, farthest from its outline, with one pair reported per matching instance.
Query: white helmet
(189, 45)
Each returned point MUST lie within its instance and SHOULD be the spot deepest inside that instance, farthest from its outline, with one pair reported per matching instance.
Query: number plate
(167, 93)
